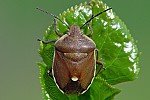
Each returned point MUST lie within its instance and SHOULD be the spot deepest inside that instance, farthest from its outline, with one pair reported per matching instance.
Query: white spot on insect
(74, 78)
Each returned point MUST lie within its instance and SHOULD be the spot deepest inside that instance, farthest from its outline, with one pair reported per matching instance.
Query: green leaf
(117, 51)
(117, 48)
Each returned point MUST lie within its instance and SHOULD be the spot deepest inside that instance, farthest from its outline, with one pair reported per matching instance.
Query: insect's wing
(60, 71)
(87, 70)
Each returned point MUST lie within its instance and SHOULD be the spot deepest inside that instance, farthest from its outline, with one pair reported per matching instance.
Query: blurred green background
(21, 24)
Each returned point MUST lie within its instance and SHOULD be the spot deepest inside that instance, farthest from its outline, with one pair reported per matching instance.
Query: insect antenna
(94, 17)
(52, 15)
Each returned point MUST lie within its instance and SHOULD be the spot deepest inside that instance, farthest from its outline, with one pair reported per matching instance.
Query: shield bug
(75, 58)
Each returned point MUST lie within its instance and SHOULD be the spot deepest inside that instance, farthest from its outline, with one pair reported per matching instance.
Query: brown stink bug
(75, 58)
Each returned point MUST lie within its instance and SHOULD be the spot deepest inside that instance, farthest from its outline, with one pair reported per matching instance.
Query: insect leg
(50, 72)
(91, 30)
(46, 42)
(101, 66)
(99, 63)
(55, 28)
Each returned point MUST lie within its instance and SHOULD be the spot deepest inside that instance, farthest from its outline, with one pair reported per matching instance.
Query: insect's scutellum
(74, 61)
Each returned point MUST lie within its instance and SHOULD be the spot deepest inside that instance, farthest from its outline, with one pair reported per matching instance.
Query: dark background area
(21, 24)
